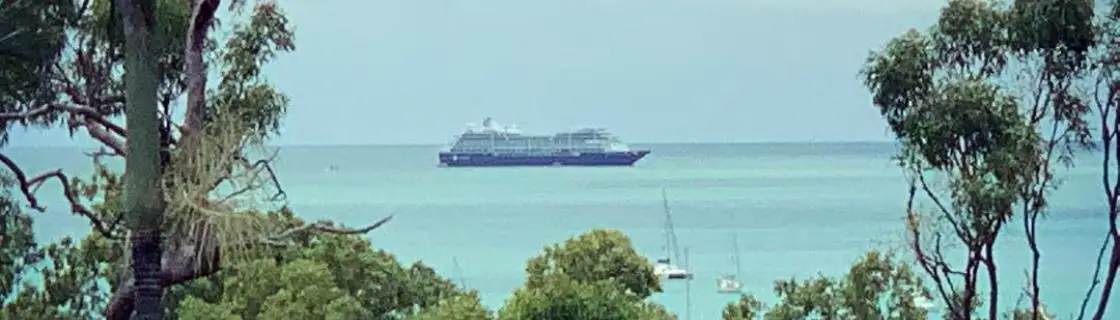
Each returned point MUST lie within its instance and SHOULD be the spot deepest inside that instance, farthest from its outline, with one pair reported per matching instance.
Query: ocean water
(796, 209)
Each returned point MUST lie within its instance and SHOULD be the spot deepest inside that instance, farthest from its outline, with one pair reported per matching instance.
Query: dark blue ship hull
(620, 158)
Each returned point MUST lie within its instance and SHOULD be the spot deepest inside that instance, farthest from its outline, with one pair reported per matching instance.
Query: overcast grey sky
(416, 71)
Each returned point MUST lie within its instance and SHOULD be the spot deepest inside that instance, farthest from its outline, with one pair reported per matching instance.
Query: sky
(418, 71)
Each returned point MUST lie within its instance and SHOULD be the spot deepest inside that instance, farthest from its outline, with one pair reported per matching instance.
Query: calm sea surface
(796, 209)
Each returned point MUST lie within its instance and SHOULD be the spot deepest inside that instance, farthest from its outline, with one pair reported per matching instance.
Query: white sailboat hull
(728, 284)
(669, 271)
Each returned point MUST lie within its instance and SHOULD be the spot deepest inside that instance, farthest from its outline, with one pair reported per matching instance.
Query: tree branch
(958, 229)
(930, 267)
(84, 111)
(325, 226)
(202, 14)
(1096, 276)
(99, 127)
(27, 187)
(98, 133)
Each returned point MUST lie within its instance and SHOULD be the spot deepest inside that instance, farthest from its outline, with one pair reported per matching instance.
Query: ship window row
(532, 142)
(524, 150)
(561, 136)
(534, 146)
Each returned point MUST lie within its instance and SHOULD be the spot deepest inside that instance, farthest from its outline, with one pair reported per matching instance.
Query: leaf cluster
(594, 275)
(878, 286)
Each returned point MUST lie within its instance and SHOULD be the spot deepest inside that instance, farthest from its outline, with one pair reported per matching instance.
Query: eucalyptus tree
(203, 228)
(1106, 94)
(986, 101)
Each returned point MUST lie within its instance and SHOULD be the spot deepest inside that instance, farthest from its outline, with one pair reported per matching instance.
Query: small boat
(664, 266)
(667, 270)
(729, 283)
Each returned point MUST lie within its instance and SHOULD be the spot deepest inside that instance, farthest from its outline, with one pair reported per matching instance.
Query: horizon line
(428, 144)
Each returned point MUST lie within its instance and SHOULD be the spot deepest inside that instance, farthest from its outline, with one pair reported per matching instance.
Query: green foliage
(747, 308)
(1027, 314)
(191, 308)
(32, 36)
(17, 244)
(596, 255)
(944, 94)
(172, 20)
(876, 287)
(595, 275)
(457, 307)
(561, 297)
(322, 277)
(242, 89)
(301, 289)
(69, 280)
(70, 286)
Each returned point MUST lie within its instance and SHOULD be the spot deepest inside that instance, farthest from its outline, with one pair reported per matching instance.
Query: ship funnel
(488, 123)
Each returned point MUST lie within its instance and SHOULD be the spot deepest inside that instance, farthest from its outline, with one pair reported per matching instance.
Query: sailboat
(458, 272)
(729, 283)
(664, 266)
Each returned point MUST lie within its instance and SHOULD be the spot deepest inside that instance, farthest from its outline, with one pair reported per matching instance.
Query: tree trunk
(143, 196)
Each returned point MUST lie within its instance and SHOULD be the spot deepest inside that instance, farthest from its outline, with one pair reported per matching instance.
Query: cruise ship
(492, 145)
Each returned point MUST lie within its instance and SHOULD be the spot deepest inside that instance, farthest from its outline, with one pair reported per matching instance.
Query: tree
(596, 274)
(1106, 99)
(878, 286)
(940, 93)
(596, 255)
(1106, 93)
(205, 230)
(746, 308)
(459, 307)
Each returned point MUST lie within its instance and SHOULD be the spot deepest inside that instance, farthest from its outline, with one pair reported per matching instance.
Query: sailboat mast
(687, 289)
(738, 266)
(459, 273)
(735, 246)
(670, 234)
(667, 226)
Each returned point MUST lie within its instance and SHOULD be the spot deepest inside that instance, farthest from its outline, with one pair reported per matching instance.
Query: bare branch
(325, 227)
(98, 133)
(945, 213)
(83, 111)
(916, 245)
(1096, 276)
(27, 186)
(96, 155)
(267, 166)
(99, 127)
(253, 172)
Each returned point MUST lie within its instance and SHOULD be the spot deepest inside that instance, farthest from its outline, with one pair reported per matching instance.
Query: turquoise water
(797, 209)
